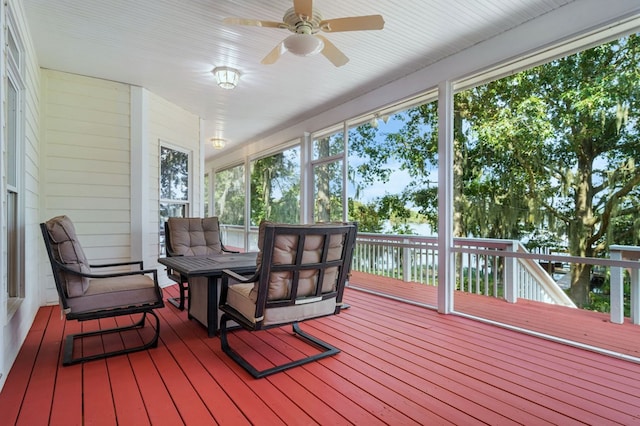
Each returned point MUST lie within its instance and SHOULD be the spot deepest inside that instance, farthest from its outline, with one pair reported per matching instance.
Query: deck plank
(19, 377)
(202, 367)
(545, 383)
(443, 376)
(399, 364)
(67, 398)
(36, 404)
(577, 325)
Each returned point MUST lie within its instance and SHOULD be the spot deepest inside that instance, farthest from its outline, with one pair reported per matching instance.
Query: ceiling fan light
(217, 143)
(303, 44)
(226, 77)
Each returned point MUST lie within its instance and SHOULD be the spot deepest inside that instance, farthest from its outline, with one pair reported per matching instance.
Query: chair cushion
(67, 250)
(194, 236)
(284, 253)
(115, 293)
(240, 298)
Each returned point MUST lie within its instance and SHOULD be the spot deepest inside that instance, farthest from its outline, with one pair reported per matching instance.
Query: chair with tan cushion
(300, 274)
(87, 295)
(191, 236)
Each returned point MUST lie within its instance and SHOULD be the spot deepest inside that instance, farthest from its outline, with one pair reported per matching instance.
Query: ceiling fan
(305, 22)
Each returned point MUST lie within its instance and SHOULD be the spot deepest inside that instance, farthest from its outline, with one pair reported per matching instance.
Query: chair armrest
(237, 277)
(226, 250)
(66, 269)
(228, 275)
(108, 265)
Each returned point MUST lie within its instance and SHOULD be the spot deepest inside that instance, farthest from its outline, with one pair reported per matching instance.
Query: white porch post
(619, 252)
(306, 180)
(200, 176)
(616, 292)
(139, 176)
(406, 261)
(511, 283)
(446, 265)
(635, 296)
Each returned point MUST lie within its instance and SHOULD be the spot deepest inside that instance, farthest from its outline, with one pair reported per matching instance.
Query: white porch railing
(482, 266)
(491, 267)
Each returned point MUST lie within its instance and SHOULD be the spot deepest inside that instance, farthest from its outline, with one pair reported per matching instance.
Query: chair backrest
(192, 236)
(64, 249)
(302, 264)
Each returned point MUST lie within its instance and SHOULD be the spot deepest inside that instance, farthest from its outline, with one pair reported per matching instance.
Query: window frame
(14, 223)
(296, 144)
(168, 201)
(316, 163)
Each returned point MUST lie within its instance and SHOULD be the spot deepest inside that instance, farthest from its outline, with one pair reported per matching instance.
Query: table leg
(212, 306)
(204, 296)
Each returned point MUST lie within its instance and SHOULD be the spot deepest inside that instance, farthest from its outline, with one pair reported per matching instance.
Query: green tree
(383, 154)
(566, 132)
(553, 147)
(275, 188)
(230, 195)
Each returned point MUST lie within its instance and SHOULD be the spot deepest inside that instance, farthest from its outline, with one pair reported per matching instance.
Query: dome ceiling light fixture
(303, 44)
(226, 77)
(217, 143)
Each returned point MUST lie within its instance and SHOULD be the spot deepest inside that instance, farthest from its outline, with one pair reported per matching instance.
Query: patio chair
(190, 236)
(300, 274)
(86, 295)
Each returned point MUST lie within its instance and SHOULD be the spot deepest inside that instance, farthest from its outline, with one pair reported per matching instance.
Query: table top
(211, 265)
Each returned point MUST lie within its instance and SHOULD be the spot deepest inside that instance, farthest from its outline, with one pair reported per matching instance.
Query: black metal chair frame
(183, 285)
(58, 267)
(266, 268)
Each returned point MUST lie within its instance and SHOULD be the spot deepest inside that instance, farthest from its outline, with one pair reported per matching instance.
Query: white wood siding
(14, 328)
(86, 161)
(173, 125)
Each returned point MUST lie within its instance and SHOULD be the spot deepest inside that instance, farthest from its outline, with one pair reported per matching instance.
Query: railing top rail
(627, 252)
(412, 240)
(558, 258)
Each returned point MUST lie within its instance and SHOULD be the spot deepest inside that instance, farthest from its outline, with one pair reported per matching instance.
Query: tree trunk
(581, 231)
(322, 185)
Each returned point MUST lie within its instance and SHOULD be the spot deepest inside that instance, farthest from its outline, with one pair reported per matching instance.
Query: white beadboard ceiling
(170, 47)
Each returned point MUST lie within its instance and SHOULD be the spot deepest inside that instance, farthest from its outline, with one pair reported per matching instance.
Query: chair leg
(327, 350)
(178, 302)
(68, 358)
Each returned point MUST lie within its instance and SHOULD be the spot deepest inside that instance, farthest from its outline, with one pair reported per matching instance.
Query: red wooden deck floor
(577, 325)
(400, 364)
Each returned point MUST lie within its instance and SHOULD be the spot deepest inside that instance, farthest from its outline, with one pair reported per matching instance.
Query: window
(230, 196)
(393, 170)
(275, 187)
(14, 167)
(174, 185)
(328, 178)
(207, 195)
(229, 205)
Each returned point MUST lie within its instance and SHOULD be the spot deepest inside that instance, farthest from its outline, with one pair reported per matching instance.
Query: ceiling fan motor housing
(296, 23)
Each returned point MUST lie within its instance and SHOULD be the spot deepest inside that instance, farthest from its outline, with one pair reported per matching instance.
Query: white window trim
(189, 201)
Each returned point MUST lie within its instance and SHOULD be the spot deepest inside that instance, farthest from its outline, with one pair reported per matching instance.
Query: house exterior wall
(14, 326)
(178, 128)
(86, 163)
(85, 138)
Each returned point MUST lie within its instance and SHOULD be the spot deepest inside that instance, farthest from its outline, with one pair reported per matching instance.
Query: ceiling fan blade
(303, 8)
(274, 55)
(254, 23)
(354, 23)
(332, 53)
